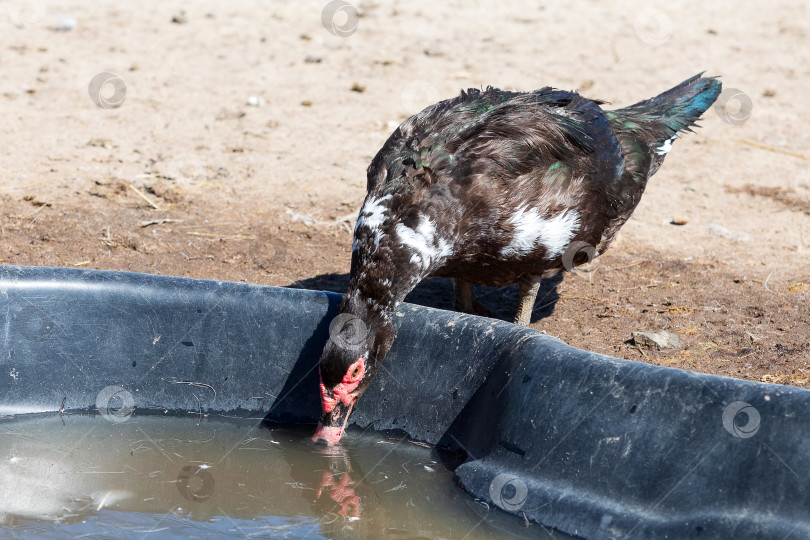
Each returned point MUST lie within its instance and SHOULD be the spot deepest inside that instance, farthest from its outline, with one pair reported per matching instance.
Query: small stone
(359, 88)
(180, 18)
(64, 23)
(586, 85)
(769, 92)
(255, 101)
(306, 103)
(660, 340)
(310, 59)
(679, 220)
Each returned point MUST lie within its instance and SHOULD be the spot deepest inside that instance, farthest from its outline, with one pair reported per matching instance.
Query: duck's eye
(355, 371)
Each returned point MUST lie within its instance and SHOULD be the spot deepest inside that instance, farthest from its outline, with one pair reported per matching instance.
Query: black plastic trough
(592, 445)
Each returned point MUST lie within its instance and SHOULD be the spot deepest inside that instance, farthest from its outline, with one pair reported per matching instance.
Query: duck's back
(503, 181)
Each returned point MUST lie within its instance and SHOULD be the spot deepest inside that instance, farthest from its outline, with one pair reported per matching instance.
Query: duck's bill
(331, 426)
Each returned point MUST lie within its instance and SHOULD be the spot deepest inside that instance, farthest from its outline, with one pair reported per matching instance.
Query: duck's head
(350, 361)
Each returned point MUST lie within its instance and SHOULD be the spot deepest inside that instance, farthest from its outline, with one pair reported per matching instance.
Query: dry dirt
(186, 178)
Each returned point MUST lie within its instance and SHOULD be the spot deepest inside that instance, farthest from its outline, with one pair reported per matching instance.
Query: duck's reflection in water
(89, 476)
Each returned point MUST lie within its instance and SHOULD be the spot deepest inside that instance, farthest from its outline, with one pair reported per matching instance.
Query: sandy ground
(187, 178)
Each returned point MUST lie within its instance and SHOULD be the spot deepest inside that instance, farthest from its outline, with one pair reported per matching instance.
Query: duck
(491, 187)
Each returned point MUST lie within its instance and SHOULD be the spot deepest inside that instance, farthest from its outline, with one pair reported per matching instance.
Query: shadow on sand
(500, 302)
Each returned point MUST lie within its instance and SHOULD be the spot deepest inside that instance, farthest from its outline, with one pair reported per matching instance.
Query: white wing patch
(372, 217)
(532, 229)
(667, 146)
(423, 241)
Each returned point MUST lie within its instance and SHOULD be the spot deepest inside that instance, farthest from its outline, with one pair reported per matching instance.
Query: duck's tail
(646, 132)
(677, 109)
(660, 120)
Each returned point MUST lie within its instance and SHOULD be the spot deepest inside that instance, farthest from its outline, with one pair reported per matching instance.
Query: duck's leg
(465, 299)
(464, 295)
(529, 285)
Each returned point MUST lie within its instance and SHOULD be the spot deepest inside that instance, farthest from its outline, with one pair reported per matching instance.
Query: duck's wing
(501, 136)
(473, 162)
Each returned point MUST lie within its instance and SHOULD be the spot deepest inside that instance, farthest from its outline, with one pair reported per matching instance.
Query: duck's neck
(376, 289)
(375, 312)
(375, 298)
